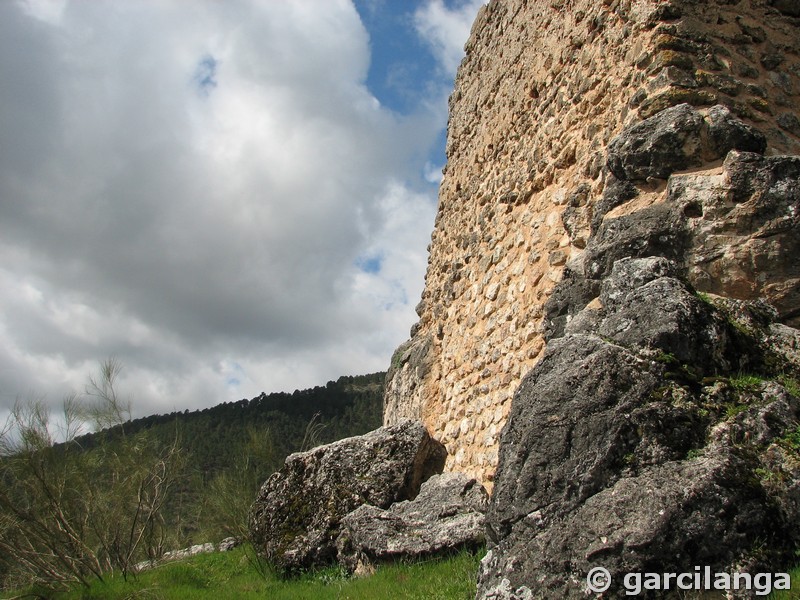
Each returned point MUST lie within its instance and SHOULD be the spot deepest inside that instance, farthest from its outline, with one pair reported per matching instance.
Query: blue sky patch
(402, 67)
(370, 264)
(205, 74)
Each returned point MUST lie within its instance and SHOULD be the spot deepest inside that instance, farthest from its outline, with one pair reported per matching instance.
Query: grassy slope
(232, 575)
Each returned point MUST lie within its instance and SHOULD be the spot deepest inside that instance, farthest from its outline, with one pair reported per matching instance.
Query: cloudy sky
(229, 197)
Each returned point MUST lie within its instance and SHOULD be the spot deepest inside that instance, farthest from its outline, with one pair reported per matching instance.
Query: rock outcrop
(608, 332)
(679, 138)
(635, 444)
(297, 515)
(734, 227)
(447, 515)
(580, 133)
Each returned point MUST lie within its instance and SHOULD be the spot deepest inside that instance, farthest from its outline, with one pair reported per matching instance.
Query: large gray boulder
(448, 514)
(296, 517)
(679, 138)
(635, 445)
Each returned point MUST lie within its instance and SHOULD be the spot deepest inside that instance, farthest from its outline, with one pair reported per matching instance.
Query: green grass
(792, 594)
(232, 575)
(745, 382)
(791, 384)
(791, 441)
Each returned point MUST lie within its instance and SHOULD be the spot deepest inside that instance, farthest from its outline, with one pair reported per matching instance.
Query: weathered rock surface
(743, 223)
(296, 517)
(726, 228)
(633, 446)
(448, 514)
(790, 7)
(647, 307)
(679, 138)
(405, 379)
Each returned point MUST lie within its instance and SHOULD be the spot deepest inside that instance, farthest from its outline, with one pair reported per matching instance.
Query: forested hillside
(70, 512)
(231, 448)
(213, 437)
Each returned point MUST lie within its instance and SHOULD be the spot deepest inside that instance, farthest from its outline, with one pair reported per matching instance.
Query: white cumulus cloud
(209, 193)
(446, 28)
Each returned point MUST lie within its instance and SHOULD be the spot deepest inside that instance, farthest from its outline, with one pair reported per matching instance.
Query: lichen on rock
(295, 520)
(634, 445)
(446, 516)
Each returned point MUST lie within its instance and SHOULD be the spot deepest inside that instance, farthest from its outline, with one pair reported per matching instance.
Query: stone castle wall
(543, 89)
